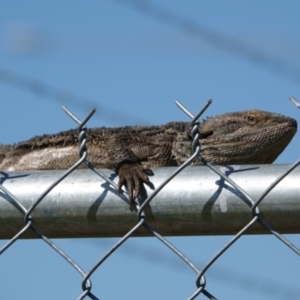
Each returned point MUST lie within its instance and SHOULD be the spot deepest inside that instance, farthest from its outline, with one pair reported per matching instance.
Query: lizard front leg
(130, 170)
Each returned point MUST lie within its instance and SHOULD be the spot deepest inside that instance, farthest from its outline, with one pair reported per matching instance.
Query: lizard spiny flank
(247, 137)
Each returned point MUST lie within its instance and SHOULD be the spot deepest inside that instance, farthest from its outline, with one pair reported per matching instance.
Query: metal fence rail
(196, 201)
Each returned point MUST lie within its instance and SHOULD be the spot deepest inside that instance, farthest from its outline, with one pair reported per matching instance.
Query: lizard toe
(131, 175)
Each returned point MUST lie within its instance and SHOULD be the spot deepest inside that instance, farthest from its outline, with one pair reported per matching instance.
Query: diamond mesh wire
(200, 288)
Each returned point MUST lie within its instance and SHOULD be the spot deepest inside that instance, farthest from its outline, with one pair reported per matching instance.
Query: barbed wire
(242, 280)
(215, 39)
(254, 211)
(47, 92)
(194, 29)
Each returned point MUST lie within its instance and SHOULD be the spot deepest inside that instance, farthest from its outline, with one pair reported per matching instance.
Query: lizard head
(247, 137)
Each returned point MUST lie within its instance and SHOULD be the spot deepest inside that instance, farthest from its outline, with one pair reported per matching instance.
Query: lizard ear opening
(206, 134)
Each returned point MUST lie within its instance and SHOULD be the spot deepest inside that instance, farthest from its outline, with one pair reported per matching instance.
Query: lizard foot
(132, 175)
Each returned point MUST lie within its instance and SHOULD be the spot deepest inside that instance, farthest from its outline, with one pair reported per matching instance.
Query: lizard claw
(132, 175)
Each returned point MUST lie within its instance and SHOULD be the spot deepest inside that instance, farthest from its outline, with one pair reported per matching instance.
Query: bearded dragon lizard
(247, 137)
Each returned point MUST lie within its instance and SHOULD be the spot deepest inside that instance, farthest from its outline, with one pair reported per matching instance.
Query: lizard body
(247, 137)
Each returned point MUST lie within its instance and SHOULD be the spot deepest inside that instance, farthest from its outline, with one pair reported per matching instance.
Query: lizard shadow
(207, 208)
(143, 196)
(92, 212)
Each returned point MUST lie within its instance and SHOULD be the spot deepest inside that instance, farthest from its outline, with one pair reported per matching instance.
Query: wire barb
(294, 101)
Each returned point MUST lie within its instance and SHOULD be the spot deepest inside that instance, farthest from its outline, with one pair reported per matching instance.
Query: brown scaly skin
(247, 137)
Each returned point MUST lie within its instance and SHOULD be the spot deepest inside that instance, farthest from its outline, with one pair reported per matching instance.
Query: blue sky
(132, 64)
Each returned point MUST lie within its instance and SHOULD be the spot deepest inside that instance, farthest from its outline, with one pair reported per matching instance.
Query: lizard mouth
(293, 123)
(290, 123)
(279, 138)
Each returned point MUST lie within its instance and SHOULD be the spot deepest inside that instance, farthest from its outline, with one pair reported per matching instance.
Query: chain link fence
(256, 218)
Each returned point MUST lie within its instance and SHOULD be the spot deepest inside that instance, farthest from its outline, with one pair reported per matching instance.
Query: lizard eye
(251, 119)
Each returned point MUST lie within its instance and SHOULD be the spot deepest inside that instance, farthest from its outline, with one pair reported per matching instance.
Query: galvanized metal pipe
(196, 202)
